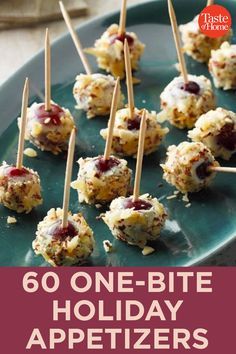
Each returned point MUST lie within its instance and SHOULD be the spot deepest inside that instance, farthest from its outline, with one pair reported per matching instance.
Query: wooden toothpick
(20, 151)
(142, 134)
(111, 121)
(75, 39)
(178, 46)
(47, 59)
(129, 81)
(68, 175)
(210, 2)
(223, 169)
(123, 13)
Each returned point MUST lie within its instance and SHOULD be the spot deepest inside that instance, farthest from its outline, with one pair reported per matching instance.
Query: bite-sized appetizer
(188, 166)
(101, 181)
(135, 222)
(19, 188)
(126, 133)
(93, 94)
(63, 246)
(183, 103)
(92, 91)
(222, 66)
(109, 51)
(49, 130)
(196, 44)
(217, 130)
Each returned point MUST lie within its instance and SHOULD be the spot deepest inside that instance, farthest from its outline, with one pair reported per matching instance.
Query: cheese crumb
(11, 220)
(171, 196)
(98, 206)
(107, 246)
(147, 250)
(30, 152)
(185, 198)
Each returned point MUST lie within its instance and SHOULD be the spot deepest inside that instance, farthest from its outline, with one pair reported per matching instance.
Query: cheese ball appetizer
(48, 130)
(222, 66)
(183, 104)
(93, 94)
(20, 189)
(217, 130)
(187, 166)
(196, 44)
(126, 133)
(135, 222)
(109, 51)
(63, 246)
(101, 181)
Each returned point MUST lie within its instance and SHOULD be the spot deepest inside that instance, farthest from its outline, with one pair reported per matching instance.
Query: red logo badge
(215, 21)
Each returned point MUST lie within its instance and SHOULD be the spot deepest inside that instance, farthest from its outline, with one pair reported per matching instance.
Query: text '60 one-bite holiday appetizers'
(217, 130)
(109, 49)
(48, 125)
(188, 96)
(103, 178)
(127, 124)
(222, 66)
(189, 166)
(20, 188)
(136, 219)
(64, 239)
(196, 43)
(92, 91)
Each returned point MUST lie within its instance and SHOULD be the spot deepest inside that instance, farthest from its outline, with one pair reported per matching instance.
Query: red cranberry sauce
(54, 114)
(139, 204)
(134, 123)
(203, 170)
(59, 233)
(227, 137)
(191, 87)
(17, 172)
(122, 38)
(105, 165)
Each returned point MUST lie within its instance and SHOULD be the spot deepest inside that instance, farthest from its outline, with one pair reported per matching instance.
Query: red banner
(118, 310)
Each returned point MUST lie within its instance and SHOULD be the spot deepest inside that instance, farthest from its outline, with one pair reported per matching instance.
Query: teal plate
(191, 234)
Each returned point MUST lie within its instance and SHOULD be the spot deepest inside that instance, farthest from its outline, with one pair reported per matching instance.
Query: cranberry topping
(17, 172)
(54, 114)
(203, 170)
(61, 233)
(134, 123)
(122, 38)
(139, 204)
(191, 87)
(104, 165)
(227, 137)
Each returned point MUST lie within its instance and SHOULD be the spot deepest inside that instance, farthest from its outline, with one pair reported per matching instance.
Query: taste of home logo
(214, 21)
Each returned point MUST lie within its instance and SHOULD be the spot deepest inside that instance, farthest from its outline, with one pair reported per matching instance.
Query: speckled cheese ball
(222, 66)
(49, 131)
(126, 133)
(217, 130)
(63, 247)
(109, 51)
(20, 189)
(100, 181)
(187, 165)
(196, 44)
(182, 105)
(93, 94)
(135, 222)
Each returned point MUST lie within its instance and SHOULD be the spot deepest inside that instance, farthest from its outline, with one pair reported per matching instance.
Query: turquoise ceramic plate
(191, 234)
